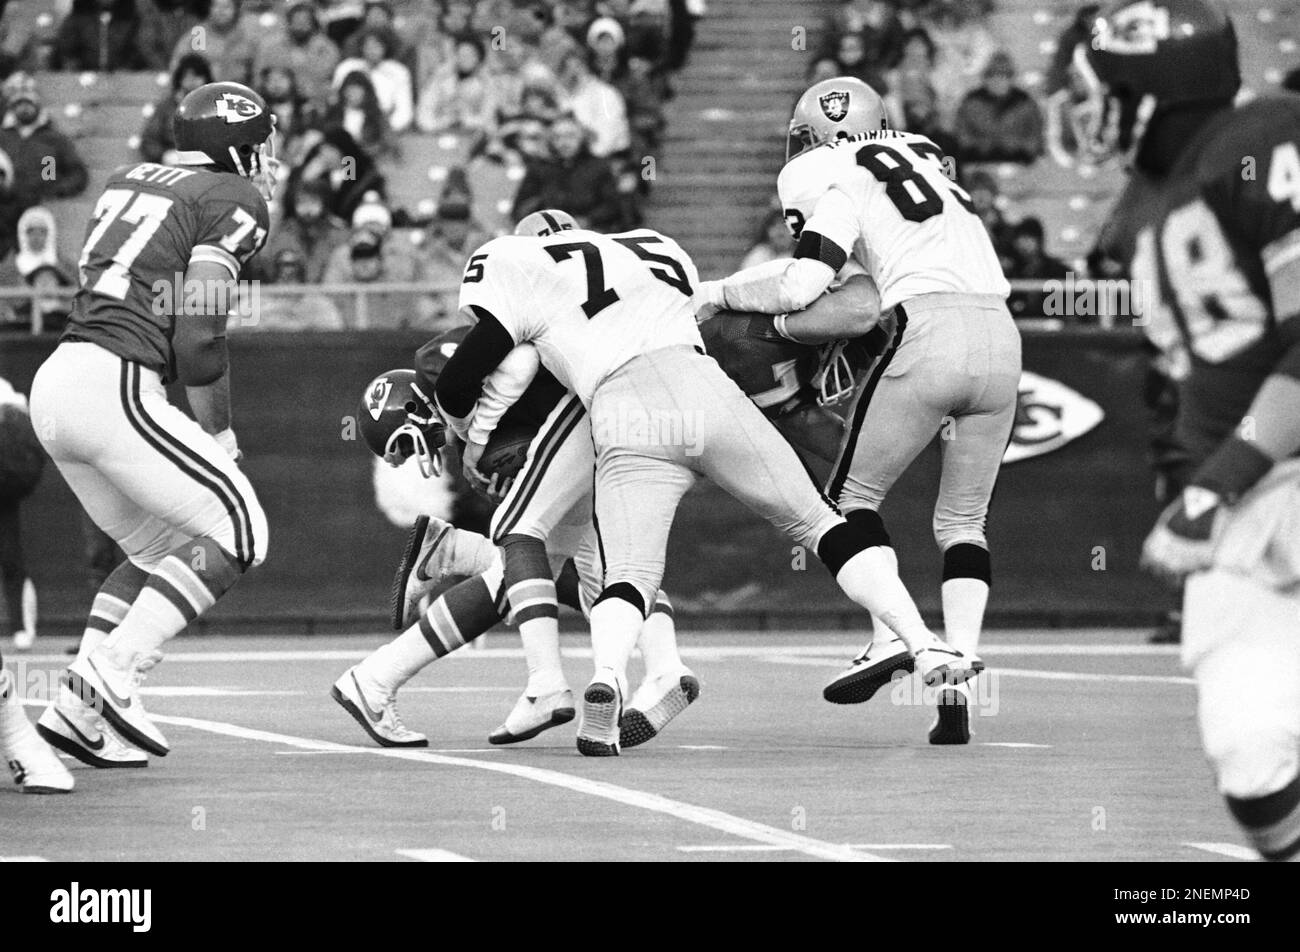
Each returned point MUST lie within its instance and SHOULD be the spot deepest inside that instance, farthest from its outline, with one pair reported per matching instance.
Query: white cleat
(24, 640)
(532, 715)
(425, 563)
(112, 689)
(35, 767)
(79, 732)
(869, 672)
(940, 663)
(376, 713)
(654, 704)
(602, 709)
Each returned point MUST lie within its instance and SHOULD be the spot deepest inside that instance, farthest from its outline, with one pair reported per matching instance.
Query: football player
(35, 767)
(859, 193)
(612, 317)
(544, 518)
(1217, 255)
(167, 488)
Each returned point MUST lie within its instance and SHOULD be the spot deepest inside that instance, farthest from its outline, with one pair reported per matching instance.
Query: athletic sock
(871, 579)
(880, 632)
(966, 577)
(112, 602)
(658, 640)
(186, 583)
(616, 621)
(1272, 821)
(470, 553)
(534, 609)
(14, 725)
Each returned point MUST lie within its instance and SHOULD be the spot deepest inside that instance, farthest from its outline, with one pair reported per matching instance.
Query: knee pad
(967, 560)
(861, 529)
(1272, 821)
(568, 587)
(625, 591)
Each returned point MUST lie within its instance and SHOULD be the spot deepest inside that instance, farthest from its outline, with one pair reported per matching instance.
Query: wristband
(226, 440)
(1233, 469)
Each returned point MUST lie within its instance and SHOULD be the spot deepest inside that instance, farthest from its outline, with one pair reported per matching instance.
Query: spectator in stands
(874, 22)
(368, 263)
(307, 227)
(605, 39)
(373, 217)
(45, 164)
(357, 111)
(38, 244)
(983, 190)
(565, 33)
(294, 115)
(573, 179)
(998, 121)
(921, 114)
(48, 309)
(304, 49)
(1030, 261)
(99, 36)
(524, 131)
(293, 312)
(391, 79)
(379, 16)
(26, 44)
(773, 241)
(963, 47)
(851, 60)
(644, 90)
(596, 105)
(229, 44)
(449, 239)
(463, 96)
(910, 79)
(332, 157)
(163, 25)
(823, 67)
(157, 142)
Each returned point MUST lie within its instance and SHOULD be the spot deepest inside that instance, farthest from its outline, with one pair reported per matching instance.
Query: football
(506, 452)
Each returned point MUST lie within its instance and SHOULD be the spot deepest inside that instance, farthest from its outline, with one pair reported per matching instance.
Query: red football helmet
(228, 126)
(398, 422)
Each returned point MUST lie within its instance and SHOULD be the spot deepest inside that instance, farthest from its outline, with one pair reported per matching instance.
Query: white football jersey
(588, 302)
(885, 200)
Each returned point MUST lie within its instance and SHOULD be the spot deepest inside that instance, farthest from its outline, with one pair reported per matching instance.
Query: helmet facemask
(408, 440)
(800, 140)
(262, 168)
(1112, 121)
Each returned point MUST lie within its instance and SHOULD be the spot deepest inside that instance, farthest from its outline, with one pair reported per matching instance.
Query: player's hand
(1185, 535)
(709, 300)
(469, 457)
(498, 487)
(226, 440)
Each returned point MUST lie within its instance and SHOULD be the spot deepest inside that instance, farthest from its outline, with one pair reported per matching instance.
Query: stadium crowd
(566, 96)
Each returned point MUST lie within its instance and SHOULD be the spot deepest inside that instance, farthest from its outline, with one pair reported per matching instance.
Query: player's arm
(501, 390)
(202, 357)
(851, 310)
(815, 429)
(459, 386)
(791, 284)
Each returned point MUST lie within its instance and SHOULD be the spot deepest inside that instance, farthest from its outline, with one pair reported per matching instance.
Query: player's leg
(1247, 667)
(15, 585)
(749, 459)
(161, 460)
(435, 550)
(971, 446)
(553, 485)
(70, 723)
(368, 690)
(35, 767)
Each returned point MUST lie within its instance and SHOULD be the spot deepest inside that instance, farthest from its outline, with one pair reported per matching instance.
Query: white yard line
(764, 848)
(435, 856)
(1233, 850)
(23, 859)
(690, 813)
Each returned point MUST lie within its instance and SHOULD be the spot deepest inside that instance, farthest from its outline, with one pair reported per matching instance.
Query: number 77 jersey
(588, 302)
(884, 199)
(149, 225)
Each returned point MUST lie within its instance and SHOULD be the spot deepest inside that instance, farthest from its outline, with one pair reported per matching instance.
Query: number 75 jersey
(884, 199)
(149, 224)
(588, 302)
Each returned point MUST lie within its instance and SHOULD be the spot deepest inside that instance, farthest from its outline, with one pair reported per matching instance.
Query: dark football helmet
(398, 422)
(230, 127)
(1147, 55)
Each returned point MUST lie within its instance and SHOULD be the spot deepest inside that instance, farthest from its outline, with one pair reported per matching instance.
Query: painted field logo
(102, 906)
(1048, 415)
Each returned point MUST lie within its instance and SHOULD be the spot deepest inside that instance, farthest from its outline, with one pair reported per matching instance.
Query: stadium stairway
(726, 127)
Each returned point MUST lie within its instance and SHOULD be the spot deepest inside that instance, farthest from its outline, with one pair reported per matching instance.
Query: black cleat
(953, 725)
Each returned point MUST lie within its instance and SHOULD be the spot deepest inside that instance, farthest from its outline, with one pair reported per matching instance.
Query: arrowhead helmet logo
(1134, 29)
(835, 104)
(379, 397)
(236, 108)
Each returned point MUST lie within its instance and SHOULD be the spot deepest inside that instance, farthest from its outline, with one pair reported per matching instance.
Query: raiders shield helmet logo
(835, 105)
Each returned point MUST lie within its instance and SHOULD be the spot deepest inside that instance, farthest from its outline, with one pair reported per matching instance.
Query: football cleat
(424, 564)
(376, 713)
(602, 708)
(869, 672)
(112, 689)
(532, 715)
(35, 767)
(73, 728)
(654, 704)
(953, 723)
(940, 663)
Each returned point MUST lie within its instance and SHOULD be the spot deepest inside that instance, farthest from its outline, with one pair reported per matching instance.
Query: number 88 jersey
(148, 226)
(884, 199)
